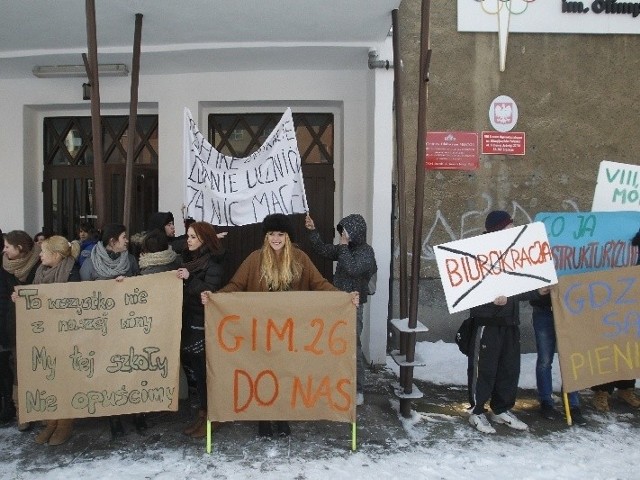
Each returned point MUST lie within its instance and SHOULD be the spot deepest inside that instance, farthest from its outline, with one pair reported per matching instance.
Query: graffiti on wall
(471, 223)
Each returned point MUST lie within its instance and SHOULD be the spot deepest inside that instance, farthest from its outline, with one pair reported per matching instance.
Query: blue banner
(590, 241)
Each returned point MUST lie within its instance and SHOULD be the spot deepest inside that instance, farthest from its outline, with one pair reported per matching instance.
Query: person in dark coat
(164, 222)
(493, 368)
(157, 256)
(356, 265)
(200, 271)
(21, 259)
(110, 259)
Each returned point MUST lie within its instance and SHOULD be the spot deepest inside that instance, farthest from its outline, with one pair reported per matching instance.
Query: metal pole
(96, 123)
(418, 211)
(400, 181)
(400, 164)
(133, 119)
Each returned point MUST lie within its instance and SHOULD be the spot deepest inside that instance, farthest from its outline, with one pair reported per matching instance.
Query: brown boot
(201, 419)
(44, 435)
(601, 401)
(628, 396)
(62, 432)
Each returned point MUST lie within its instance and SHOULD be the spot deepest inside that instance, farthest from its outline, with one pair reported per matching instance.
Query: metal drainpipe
(375, 63)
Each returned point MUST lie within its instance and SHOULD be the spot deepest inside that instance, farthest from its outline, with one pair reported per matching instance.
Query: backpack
(464, 335)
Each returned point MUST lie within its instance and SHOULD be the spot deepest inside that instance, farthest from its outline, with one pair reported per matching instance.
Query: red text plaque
(503, 143)
(452, 151)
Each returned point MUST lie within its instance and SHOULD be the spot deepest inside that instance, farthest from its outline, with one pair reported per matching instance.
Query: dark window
(68, 171)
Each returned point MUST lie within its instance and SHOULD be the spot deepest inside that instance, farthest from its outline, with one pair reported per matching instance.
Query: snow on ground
(606, 449)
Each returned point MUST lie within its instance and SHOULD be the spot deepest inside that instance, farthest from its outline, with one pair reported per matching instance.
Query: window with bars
(68, 170)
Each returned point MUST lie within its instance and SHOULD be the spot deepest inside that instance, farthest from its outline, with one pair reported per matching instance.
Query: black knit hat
(159, 220)
(277, 222)
(497, 220)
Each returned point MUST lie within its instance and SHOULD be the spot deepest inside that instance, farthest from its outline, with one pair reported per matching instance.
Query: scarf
(20, 267)
(107, 266)
(198, 263)
(154, 259)
(58, 274)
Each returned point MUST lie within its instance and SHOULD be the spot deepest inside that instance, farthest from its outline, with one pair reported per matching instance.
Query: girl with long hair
(110, 259)
(278, 266)
(200, 271)
(58, 265)
(21, 258)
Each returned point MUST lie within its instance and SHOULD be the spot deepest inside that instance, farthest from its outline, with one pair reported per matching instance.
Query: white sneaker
(509, 419)
(481, 423)
(359, 398)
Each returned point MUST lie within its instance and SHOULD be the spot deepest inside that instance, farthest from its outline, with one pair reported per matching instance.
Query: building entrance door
(240, 135)
(68, 184)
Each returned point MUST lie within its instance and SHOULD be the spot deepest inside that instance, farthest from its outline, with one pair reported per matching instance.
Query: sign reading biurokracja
(91, 349)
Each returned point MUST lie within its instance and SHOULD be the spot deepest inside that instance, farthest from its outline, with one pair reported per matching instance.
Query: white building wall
(359, 179)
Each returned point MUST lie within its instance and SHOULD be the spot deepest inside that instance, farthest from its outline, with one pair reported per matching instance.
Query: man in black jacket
(494, 360)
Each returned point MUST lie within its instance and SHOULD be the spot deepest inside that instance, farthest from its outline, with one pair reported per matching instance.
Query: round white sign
(503, 113)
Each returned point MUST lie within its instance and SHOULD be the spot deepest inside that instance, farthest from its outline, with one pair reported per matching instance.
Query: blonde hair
(279, 272)
(61, 246)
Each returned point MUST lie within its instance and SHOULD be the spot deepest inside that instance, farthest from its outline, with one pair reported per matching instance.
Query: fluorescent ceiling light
(57, 71)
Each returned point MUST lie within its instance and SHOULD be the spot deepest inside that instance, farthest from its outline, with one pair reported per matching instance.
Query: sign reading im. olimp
(231, 191)
(618, 188)
(477, 270)
(281, 356)
(597, 322)
(590, 241)
(91, 349)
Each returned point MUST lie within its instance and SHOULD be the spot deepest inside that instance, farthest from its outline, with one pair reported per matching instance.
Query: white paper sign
(476, 270)
(231, 191)
(617, 188)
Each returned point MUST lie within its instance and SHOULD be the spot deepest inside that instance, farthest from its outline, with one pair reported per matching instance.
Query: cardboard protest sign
(597, 322)
(588, 241)
(617, 188)
(476, 270)
(281, 356)
(90, 349)
(232, 191)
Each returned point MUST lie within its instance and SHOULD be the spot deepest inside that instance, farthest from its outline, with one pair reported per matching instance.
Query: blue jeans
(546, 346)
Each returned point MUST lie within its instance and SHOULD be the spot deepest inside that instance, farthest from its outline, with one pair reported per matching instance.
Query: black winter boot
(7, 407)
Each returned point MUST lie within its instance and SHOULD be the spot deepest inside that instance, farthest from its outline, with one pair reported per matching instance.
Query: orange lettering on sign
(287, 328)
(312, 347)
(221, 327)
(253, 389)
(309, 395)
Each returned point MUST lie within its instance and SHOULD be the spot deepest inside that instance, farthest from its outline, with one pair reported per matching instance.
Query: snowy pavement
(435, 443)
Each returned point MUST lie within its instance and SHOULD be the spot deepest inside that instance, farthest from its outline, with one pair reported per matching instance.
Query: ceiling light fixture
(59, 71)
